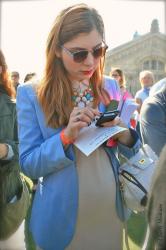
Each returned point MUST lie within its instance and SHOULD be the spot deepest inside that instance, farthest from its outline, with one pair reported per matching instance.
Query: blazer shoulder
(29, 89)
(108, 80)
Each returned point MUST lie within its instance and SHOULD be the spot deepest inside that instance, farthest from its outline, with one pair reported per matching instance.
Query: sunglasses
(81, 55)
(14, 75)
(115, 75)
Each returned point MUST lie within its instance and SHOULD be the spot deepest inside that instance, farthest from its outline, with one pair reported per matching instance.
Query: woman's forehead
(85, 40)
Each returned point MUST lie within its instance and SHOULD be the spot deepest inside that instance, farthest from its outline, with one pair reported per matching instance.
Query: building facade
(146, 52)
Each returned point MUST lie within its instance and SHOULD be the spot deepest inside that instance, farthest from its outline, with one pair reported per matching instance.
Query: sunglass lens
(100, 52)
(80, 56)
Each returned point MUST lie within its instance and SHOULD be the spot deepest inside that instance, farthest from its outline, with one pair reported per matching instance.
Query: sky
(25, 26)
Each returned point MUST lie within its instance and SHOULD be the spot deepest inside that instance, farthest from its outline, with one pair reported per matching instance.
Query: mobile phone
(106, 117)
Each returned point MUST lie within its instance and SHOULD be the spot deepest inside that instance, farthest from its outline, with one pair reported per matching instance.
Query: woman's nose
(90, 59)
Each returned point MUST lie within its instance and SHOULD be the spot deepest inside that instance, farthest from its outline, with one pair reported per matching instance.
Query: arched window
(153, 65)
(160, 65)
(146, 65)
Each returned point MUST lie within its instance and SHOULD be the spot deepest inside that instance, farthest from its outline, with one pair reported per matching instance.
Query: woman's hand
(123, 137)
(3, 150)
(79, 118)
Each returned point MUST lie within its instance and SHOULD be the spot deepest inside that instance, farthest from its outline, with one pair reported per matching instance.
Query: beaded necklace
(83, 95)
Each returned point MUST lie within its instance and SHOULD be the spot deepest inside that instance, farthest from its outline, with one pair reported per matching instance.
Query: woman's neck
(80, 85)
(82, 94)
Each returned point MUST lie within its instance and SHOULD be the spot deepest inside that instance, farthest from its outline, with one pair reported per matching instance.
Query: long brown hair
(55, 90)
(5, 78)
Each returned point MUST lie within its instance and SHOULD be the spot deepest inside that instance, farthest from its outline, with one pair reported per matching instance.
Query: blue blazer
(54, 210)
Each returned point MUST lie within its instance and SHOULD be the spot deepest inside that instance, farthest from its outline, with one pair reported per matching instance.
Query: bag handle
(132, 179)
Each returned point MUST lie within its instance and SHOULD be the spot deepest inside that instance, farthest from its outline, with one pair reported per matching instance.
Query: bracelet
(65, 140)
(111, 143)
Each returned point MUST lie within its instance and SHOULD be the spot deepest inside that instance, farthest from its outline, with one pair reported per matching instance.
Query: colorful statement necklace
(83, 95)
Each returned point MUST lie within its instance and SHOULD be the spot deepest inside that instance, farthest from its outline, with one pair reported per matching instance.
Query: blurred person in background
(156, 210)
(119, 76)
(13, 200)
(146, 79)
(153, 117)
(15, 77)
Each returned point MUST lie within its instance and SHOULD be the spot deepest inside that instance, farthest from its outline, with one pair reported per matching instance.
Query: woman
(13, 205)
(118, 75)
(74, 204)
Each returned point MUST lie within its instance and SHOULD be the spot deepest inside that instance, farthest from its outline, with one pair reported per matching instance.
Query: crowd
(75, 196)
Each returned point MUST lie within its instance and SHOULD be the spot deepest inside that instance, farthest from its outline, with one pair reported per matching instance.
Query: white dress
(98, 227)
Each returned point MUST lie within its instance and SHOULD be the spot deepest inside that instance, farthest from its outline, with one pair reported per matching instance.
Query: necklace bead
(82, 98)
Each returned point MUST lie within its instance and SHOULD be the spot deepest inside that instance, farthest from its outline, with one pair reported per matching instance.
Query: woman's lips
(88, 72)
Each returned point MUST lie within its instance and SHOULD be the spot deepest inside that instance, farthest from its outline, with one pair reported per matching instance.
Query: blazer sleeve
(38, 156)
(12, 137)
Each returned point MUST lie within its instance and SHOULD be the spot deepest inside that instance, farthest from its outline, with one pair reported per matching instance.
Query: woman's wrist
(66, 140)
(126, 138)
(3, 151)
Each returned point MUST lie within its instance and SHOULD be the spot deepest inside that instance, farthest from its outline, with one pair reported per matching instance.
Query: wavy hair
(144, 73)
(5, 77)
(55, 89)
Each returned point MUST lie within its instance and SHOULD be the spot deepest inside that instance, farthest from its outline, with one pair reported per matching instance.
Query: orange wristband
(111, 143)
(65, 139)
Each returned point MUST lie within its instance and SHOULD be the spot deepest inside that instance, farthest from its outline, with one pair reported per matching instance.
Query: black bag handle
(134, 180)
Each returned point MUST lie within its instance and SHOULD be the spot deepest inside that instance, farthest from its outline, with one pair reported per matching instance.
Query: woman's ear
(58, 53)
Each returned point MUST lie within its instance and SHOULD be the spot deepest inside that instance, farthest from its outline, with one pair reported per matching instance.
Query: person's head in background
(29, 76)
(146, 78)
(15, 77)
(75, 52)
(5, 77)
(119, 76)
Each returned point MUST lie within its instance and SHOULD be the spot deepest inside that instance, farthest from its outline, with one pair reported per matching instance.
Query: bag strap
(119, 193)
(132, 163)
(132, 179)
(122, 212)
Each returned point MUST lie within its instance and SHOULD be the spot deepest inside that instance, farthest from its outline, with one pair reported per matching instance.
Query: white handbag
(135, 176)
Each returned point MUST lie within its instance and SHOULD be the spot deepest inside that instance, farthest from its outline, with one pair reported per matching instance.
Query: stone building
(145, 52)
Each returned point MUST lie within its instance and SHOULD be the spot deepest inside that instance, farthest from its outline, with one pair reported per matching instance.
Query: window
(146, 65)
(160, 65)
(153, 65)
